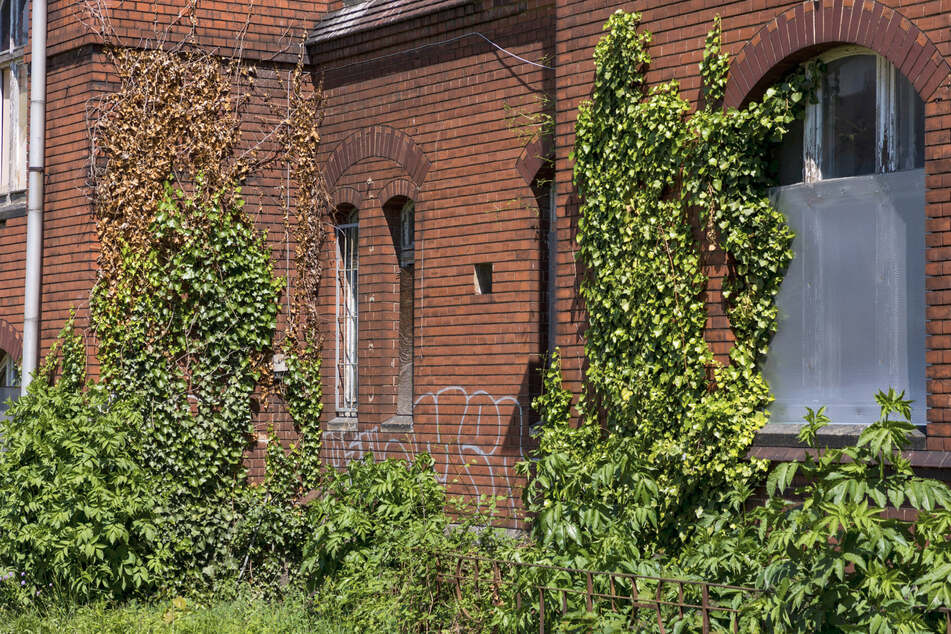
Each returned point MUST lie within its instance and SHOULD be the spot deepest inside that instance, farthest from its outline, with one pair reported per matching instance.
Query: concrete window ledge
(12, 205)
(780, 442)
(398, 423)
(342, 423)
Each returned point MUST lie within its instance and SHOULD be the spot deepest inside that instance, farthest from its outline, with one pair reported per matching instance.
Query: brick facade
(766, 38)
(421, 104)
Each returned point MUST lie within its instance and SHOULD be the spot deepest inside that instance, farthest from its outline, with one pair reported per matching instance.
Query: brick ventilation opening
(482, 277)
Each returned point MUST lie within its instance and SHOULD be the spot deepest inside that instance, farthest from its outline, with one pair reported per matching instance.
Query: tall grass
(177, 616)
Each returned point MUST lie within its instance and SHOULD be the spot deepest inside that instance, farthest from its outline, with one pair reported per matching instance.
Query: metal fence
(552, 595)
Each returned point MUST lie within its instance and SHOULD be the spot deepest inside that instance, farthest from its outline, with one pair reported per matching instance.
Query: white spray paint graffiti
(455, 454)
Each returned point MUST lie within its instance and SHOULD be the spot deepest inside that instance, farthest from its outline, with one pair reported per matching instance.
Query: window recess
(14, 107)
(346, 234)
(10, 379)
(868, 120)
(401, 216)
(851, 310)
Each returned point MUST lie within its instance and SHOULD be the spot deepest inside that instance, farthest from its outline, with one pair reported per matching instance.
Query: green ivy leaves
(184, 327)
(653, 176)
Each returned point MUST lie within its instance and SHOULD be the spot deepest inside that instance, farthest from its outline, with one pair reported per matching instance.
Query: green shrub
(76, 509)
(833, 557)
(378, 528)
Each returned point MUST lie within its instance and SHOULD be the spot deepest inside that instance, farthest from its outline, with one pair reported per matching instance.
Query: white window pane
(848, 133)
(6, 133)
(18, 113)
(852, 306)
(21, 22)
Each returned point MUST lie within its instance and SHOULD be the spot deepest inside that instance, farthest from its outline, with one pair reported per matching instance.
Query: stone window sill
(778, 442)
(12, 205)
(398, 423)
(342, 423)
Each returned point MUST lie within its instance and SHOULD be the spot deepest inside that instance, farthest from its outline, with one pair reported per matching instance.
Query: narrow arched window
(401, 218)
(346, 232)
(852, 305)
(9, 380)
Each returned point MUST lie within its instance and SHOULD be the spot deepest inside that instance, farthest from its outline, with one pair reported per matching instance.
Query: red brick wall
(765, 37)
(79, 72)
(439, 100)
(438, 122)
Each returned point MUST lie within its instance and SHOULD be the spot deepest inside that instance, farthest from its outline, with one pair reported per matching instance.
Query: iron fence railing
(553, 594)
(544, 596)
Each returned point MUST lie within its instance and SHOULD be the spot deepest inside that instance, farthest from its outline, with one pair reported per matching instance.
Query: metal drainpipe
(34, 196)
(553, 263)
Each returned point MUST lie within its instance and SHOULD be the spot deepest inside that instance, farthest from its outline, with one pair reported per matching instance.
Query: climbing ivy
(183, 328)
(187, 301)
(664, 188)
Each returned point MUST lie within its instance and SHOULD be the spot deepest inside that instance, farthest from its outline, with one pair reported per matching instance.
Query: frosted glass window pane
(852, 306)
(848, 117)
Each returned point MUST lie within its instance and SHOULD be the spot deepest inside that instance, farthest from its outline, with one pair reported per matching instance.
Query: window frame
(14, 110)
(347, 317)
(886, 160)
(886, 120)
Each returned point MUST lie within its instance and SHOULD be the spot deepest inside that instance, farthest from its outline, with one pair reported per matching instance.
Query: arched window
(346, 233)
(852, 305)
(401, 217)
(9, 380)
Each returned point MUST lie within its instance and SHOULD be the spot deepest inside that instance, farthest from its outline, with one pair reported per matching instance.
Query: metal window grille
(347, 316)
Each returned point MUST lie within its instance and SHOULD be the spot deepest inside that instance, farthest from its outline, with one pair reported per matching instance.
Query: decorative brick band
(805, 29)
(348, 196)
(10, 341)
(399, 187)
(535, 155)
(380, 142)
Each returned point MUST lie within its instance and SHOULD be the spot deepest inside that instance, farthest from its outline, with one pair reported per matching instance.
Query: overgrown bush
(378, 529)
(835, 556)
(77, 509)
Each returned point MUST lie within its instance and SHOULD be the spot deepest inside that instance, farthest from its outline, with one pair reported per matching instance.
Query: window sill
(342, 423)
(398, 423)
(779, 442)
(12, 205)
(829, 437)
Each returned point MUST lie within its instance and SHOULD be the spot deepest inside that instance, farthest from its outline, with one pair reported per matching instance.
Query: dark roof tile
(374, 14)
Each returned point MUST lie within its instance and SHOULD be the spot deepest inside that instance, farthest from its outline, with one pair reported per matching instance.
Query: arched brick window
(346, 278)
(852, 313)
(400, 214)
(9, 380)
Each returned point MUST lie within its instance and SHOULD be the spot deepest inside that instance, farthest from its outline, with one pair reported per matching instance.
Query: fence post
(705, 590)
(541, 610)
(590, 588)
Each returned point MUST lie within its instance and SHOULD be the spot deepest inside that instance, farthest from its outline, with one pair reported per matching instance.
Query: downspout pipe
(34, 196)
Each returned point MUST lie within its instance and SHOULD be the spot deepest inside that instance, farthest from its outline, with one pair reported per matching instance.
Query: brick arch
(399, 187)
(803, 30)
(348, 196)
(10, 341)
(380, 142)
